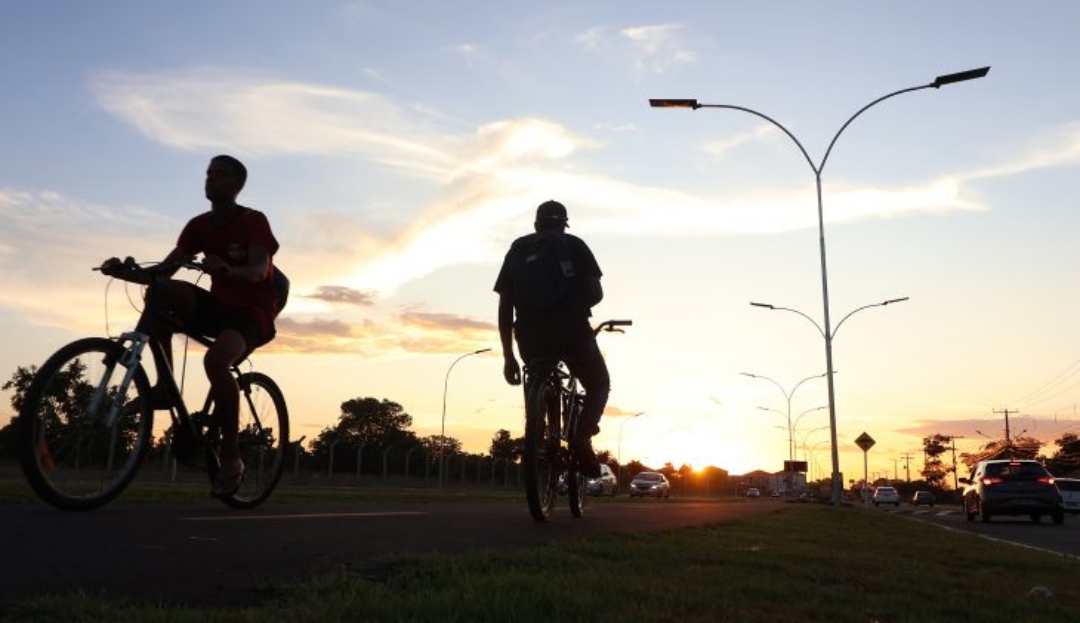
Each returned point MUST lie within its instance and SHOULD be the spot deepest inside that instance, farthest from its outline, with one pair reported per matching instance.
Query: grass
(802, 563)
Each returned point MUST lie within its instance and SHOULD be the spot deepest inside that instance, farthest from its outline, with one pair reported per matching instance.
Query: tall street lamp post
(817, 169)
(442, 428)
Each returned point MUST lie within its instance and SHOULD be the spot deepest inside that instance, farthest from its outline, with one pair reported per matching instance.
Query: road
(1064, 539)
(207, 555)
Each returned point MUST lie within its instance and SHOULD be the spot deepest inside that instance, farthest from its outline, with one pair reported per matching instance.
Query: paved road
(209, 555)
(1064, 539)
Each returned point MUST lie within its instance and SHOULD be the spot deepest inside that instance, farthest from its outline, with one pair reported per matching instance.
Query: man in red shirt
(238, 311)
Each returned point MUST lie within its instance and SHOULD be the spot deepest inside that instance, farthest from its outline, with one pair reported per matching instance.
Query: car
(1011, 487)
(885, 495)
(604, 484)
(650, 483)
(753, 492)
(922, 496)
(1070, 494)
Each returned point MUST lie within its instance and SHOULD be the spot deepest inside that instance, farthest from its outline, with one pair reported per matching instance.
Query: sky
(398, 148)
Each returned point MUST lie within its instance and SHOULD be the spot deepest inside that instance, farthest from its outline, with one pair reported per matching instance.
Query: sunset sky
(399, 147)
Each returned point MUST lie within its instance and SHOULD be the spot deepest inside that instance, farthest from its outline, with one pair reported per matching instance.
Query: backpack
(541, 270)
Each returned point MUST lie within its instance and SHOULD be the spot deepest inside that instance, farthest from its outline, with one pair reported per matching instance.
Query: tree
(934, 470)
(19, 382)
(365, 424)
(1066, 461)
(506, 448)
(437, 445)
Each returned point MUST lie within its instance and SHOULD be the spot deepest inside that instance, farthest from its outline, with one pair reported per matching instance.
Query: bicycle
(86, 420)
(553, 405)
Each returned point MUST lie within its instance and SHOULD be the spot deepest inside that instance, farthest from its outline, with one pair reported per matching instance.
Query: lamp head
(962, 76)
(675, 103)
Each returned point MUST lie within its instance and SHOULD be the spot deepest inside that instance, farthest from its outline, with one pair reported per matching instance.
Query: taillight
(991, 480)
(1046, 480)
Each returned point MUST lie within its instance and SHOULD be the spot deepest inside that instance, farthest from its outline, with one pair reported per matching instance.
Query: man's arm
(511, 369)
(594, 292)
(256, 269)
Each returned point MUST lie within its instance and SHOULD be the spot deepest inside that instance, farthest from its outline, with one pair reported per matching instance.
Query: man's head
(225, 177)
(551, 216)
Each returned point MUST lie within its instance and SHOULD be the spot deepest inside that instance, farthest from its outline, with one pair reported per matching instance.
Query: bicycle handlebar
(134, 269)
(612, 325)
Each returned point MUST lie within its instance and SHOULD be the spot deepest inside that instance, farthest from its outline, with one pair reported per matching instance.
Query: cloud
(642, 50)
(343, 295)
(213, 109)
(720, 147)
(448, 322)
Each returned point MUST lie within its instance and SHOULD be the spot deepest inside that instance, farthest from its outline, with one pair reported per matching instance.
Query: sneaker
(586, 457)
(228, 478)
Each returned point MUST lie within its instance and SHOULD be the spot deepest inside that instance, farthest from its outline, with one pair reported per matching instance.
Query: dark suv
(1011, 487)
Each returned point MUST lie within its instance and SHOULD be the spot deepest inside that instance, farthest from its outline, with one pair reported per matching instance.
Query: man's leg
(226, 350)
(175, 298)
(588, 365)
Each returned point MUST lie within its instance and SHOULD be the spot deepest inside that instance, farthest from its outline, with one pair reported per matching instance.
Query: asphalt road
(1064, 539)
(209, 555)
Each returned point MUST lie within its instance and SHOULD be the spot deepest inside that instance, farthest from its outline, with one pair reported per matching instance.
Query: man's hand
(512, 371)
(112, 267)
(214, 265)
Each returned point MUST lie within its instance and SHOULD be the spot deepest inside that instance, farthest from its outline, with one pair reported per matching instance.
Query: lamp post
(618, 456)
(787, 397)
(817, 169)
(442, 428)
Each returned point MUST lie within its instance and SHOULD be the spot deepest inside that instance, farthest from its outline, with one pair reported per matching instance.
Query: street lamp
(442, 429)
(787, 396)
(618, 457)
(817, 169)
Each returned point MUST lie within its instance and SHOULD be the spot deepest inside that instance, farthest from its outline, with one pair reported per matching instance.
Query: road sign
(865, 442)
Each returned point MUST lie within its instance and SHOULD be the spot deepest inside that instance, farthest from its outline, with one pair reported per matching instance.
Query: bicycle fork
(130, 359)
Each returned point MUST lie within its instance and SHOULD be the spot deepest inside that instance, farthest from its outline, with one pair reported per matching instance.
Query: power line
(1062, 377)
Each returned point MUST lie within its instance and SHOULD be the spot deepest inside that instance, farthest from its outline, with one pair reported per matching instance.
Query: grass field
(805, 563)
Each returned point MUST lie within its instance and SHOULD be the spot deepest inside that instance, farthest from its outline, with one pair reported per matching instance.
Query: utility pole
(1008, 436)
(895, 462)
(907, 464)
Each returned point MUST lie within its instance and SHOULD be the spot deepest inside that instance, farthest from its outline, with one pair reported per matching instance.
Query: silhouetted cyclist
(548, 284)
(238, 310)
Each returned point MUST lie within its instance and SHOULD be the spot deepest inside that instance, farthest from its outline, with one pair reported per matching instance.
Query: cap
(551, 210)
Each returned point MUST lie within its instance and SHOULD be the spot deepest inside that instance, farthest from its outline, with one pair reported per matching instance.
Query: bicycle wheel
(264, 439)
(541, 448)
(71, 456)
(575, 491)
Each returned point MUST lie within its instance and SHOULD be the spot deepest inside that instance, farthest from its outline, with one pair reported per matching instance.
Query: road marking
(304, 516)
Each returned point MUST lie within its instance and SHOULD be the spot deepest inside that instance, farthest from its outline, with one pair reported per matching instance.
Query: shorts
(211, 318)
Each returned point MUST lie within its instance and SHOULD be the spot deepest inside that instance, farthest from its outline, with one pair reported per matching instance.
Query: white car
(753, 492)
(650, 483)
(605, 484)
(885, 495)
(1070, 494)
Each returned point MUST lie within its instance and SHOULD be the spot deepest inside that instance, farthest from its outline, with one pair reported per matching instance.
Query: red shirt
(232, 242)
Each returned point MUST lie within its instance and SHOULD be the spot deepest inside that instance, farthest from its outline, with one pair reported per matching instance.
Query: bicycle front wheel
(541, 450)
(82, 434)
(264, 439)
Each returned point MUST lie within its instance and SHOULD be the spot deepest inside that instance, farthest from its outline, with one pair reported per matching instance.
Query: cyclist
(238, 311)
(548, 283)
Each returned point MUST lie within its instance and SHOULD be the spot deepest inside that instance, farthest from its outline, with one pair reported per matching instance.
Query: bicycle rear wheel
(541, 450)
(71, 457)
(575, 491)
(264, 439)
